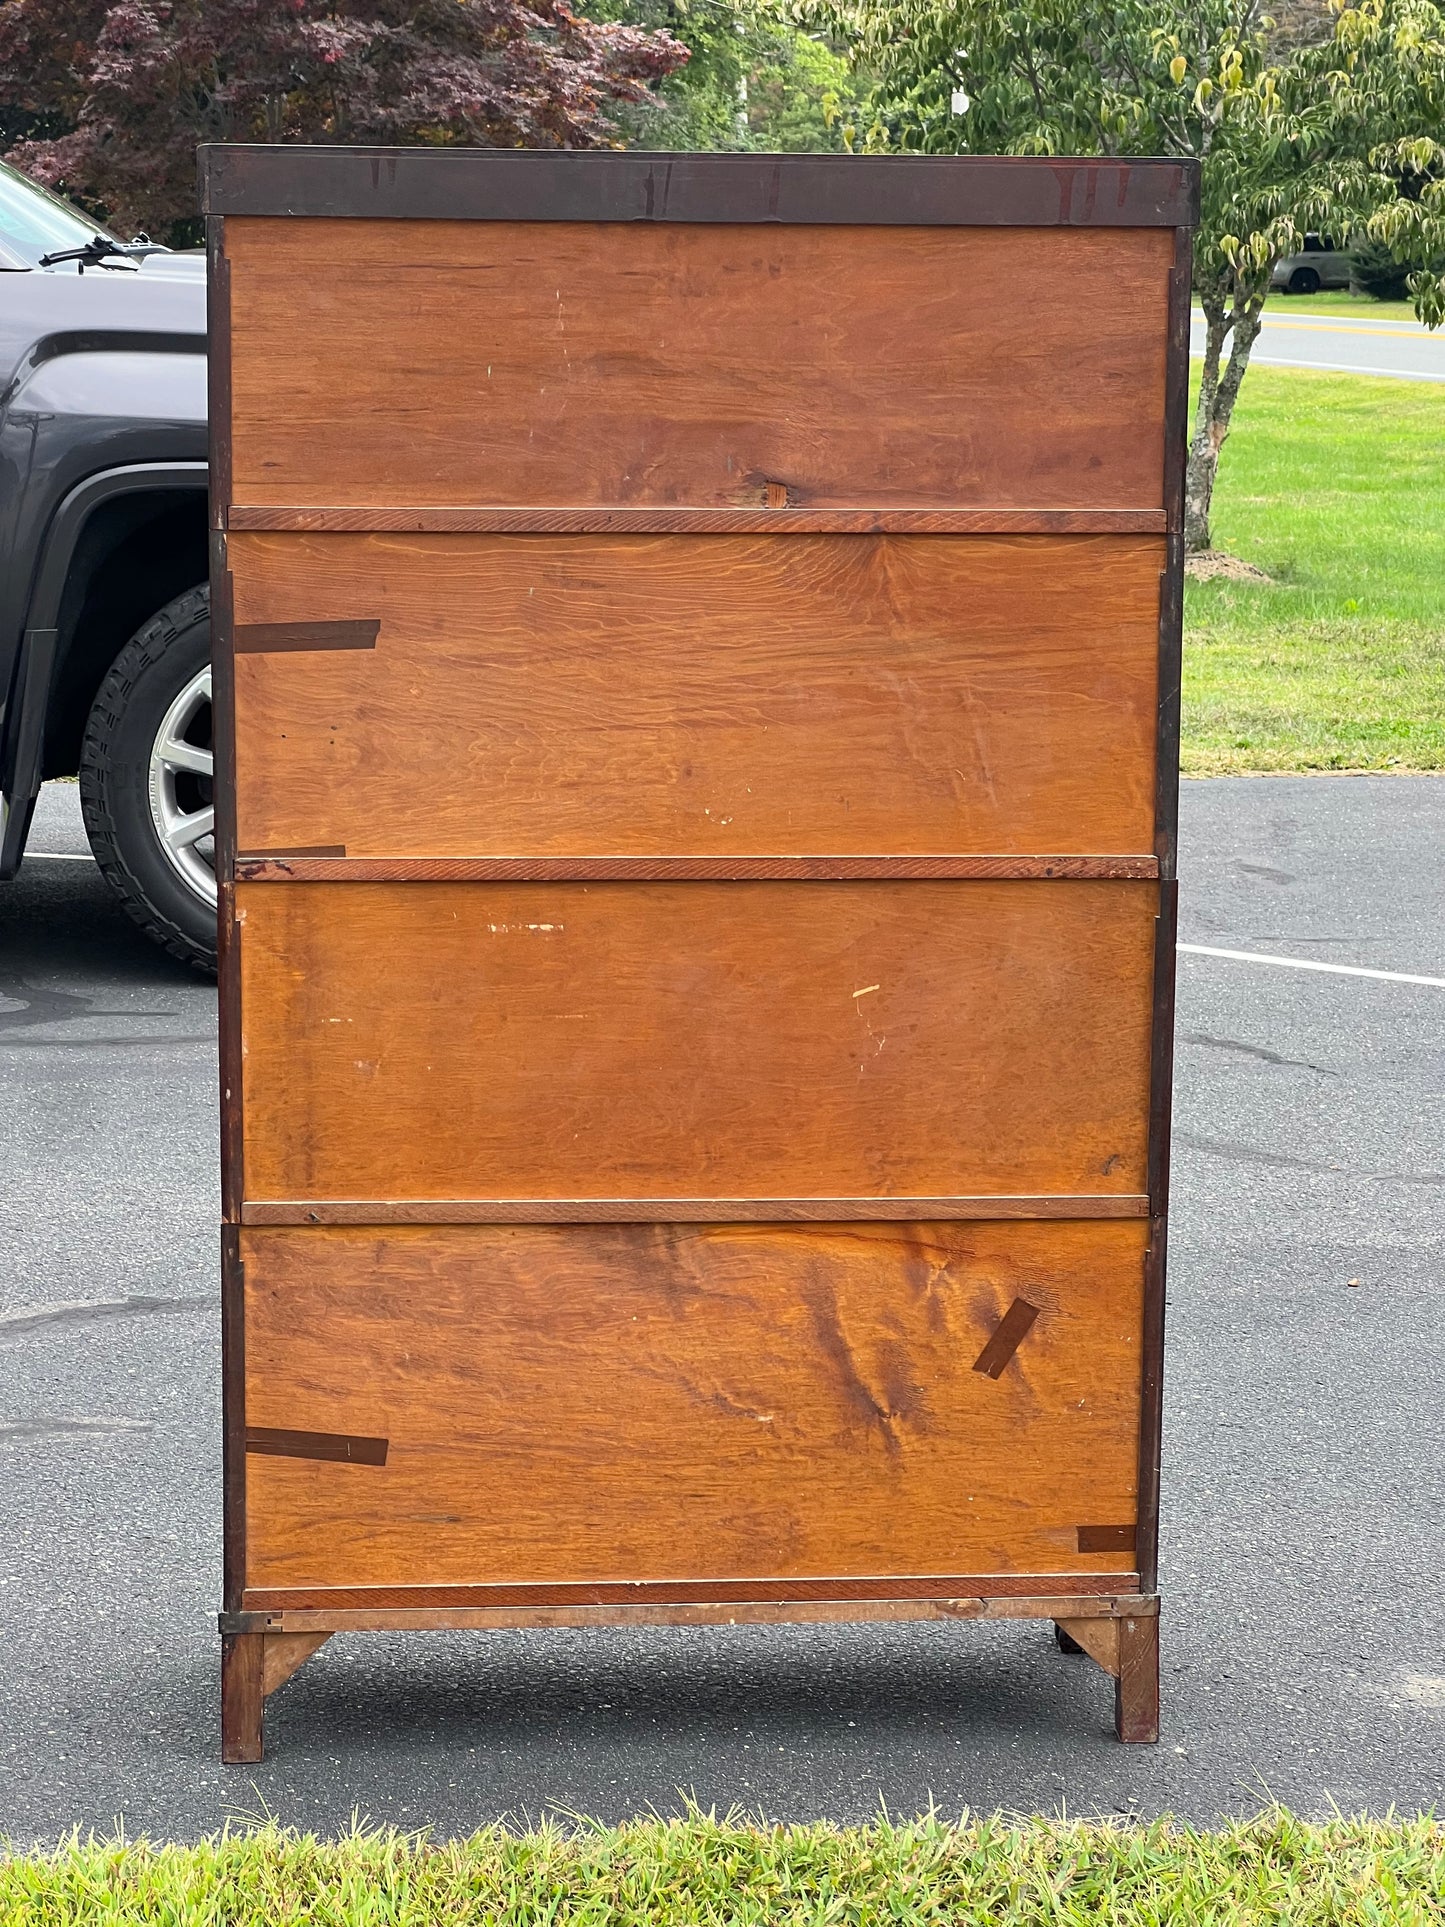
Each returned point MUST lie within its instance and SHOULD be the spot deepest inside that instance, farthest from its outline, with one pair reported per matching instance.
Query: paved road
(1343, 343)
(1305, 1478)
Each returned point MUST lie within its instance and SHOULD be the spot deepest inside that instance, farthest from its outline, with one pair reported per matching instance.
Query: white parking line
(1308, 963)
(60, 856)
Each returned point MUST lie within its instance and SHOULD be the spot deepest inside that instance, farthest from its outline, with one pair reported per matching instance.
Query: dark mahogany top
(494, 184)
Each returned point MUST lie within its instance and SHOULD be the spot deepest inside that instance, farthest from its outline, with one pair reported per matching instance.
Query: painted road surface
(1343, 345)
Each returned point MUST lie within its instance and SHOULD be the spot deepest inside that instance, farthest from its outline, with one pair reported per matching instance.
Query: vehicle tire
(1304, 281)
(145, 779)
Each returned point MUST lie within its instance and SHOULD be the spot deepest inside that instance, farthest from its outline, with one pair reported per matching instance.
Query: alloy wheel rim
(182, 769)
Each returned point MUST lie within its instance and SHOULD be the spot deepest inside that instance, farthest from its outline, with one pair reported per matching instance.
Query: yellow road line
(1343, 328)
(1347, 328)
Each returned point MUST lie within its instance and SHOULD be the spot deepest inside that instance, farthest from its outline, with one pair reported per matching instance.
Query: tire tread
(144, 650)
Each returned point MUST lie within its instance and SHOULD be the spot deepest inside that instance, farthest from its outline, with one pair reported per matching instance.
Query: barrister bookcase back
(696, 656)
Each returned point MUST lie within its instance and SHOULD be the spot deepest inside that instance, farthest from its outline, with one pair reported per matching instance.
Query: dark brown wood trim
(481, 184)
(228, 967)
(1008, 1335)
(1176, 376)
(1088, 1606)
(218, 369)
(249, 862)
(345, 1447)
(1106, 1538)
(295, 638)
(483, 519)
(315, 866)
(1161, 1048)
(682, 1592)
(1166, 738)
(223, 706)
(1161, 1091)
(382, 1211)
(1166, 820)
(237, 1681)
(1151, 1406)
(218, 406)
(233, 1418)
(218, 376)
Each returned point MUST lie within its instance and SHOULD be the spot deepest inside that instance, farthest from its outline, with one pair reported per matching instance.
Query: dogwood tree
(1338, 137)
(136, 84)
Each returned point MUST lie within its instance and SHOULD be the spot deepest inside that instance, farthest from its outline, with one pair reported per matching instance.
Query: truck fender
(22, 735)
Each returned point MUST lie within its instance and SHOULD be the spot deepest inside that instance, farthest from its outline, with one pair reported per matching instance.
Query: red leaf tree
(133, 85)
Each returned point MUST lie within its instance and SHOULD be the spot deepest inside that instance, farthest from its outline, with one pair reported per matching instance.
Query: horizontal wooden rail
(684, 1592)
(481, 519)
(333, 866)
(361, 1211)
(847, 1612)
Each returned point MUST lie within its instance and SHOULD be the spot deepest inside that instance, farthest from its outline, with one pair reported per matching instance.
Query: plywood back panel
(710, 695)
(695, 1040)
(570, 363)
(643, 1402)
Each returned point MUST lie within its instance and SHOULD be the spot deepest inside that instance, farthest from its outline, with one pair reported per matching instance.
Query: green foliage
(755, 79)
(1274, 1871)
(109, 98)
(1333, 489)
(1335, 136)
(1319, 140)
(1375, 271)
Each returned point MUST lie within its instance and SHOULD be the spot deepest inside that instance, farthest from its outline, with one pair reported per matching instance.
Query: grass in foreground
(1334, 485)
(700, 1870)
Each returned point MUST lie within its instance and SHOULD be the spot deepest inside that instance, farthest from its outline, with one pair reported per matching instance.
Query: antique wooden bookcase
(696, 661)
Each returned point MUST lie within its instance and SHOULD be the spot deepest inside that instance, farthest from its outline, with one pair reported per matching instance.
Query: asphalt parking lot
(1304, 1490)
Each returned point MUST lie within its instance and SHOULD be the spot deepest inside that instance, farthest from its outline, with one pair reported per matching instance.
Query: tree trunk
(1229, 315)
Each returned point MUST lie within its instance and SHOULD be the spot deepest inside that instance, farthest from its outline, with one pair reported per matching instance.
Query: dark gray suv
(104, 615)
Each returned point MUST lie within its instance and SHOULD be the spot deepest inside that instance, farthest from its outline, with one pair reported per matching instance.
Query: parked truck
(105, 665)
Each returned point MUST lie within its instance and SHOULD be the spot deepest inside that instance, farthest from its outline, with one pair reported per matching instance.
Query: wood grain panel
(734, 1039)
(388, 364)
(723, 1403)
(635, 695)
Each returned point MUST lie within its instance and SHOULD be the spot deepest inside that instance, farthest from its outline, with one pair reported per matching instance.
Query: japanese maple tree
(135, 85)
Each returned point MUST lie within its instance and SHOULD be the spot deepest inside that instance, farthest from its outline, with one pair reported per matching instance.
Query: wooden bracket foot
(1136, 1685)
(253, 1666)
(1099, 1638)
(242, 1697)
(284, 1654)
(1128, 1650)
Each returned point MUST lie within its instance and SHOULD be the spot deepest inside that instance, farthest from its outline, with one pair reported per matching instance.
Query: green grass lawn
(699, 1871)
(1339, 302)
(1334, 485)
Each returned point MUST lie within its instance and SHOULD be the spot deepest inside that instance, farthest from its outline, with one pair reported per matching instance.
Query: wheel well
(134, 554)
